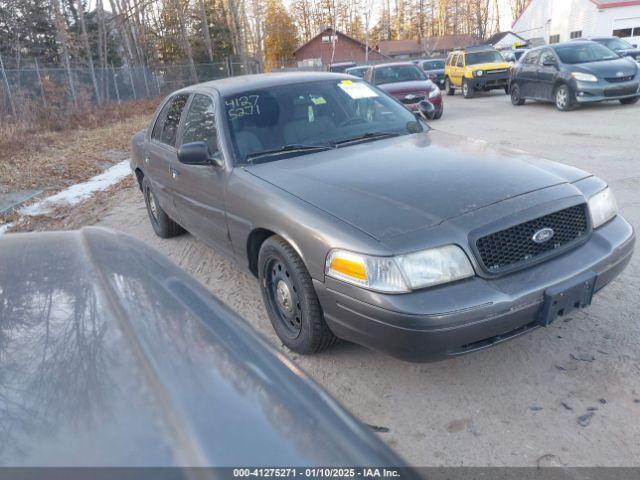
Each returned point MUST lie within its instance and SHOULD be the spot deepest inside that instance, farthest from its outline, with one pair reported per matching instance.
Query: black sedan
(574, 73)
(620, 46)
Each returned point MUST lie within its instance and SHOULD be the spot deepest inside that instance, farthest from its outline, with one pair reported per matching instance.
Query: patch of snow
(5, 227)
(80, 191)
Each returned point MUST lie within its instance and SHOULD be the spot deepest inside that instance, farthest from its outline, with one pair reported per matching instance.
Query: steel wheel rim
(283, 297)
(465, 88)
(153, 207)
(561, 97)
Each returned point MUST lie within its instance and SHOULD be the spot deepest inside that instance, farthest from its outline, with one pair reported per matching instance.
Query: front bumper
(490, 81)
(588, 92)
(471, 314)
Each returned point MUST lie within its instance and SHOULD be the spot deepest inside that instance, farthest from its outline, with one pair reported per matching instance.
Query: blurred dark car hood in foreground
(113, 356)
(417, 180)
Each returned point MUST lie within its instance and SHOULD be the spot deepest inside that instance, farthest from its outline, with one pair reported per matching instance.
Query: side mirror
(197, 153)
(549, 63)
(426, 110)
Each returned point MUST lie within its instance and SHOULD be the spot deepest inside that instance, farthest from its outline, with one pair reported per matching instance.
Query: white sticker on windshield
(357, 90)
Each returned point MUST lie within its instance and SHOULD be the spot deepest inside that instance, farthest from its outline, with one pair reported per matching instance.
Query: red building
(319, 50)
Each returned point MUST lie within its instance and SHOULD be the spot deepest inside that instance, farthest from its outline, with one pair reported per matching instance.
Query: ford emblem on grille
(543, 235)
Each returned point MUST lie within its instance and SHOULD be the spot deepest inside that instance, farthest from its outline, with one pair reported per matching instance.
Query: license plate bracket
(564, 297)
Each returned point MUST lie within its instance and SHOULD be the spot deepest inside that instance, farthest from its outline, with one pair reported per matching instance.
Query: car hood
(609, 68)
(394, 186)
(406, 87)
(490, 66)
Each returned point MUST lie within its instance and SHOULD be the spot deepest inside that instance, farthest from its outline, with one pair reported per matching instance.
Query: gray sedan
(364, 224)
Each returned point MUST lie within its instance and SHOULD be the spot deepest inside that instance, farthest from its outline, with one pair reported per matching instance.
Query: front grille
(619, 91)
(417, 96)
(493, 72)
(514, 246)
(628, 78)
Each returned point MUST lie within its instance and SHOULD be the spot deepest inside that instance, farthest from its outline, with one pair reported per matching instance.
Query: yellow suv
(476, 68)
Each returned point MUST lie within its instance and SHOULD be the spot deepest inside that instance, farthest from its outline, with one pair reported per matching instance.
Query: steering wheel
(352, 121)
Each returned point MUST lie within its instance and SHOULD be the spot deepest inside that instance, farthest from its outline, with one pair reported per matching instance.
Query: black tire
(438, 115)
(562, 98)
(160, 221)
(516, 98)
(448, 87)
(290, 299)
(629, 101)
(467, 89)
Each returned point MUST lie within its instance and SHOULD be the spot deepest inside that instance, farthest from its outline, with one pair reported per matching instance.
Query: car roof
(394, 64)
(243, 83)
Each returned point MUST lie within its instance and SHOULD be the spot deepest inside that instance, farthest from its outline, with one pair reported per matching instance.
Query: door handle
(146, 158)
(174, 172)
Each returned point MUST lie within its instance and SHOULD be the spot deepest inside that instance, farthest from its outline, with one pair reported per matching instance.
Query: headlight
(478, 73)
(584, 77)
(401, 273)
(435, 92)
(602, 207)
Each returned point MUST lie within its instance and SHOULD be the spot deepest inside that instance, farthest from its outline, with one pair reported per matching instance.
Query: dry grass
(52, 155)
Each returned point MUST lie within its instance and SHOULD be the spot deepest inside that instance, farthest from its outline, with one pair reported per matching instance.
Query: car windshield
(584, 53)
(397, 73)
(433, 65)
(477, 58)
(357, 71)
(297, 119)
(616, 44)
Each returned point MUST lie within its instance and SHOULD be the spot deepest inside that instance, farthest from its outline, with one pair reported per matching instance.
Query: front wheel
(629, 101)
(162, 224)
(467, 90)
(563, 99)
(516, 96)
(448, 87)
(290, 299)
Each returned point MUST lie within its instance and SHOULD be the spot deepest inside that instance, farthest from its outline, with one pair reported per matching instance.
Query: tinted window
(477, 58)
(398, 73)
(547, 56)
(584, 53)
(200, 123)
(531, 58)
(318, 113)
(433, 65)
(157, 128)
(170, 120)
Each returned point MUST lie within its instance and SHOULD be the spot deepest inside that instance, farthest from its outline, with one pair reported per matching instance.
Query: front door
(200, 189)
(527, 78)
(547, 74)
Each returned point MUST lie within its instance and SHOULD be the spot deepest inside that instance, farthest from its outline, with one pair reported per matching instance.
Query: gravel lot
(523, 403)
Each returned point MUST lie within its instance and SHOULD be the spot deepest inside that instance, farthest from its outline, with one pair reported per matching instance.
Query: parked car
(341, 67)
(512, 56)
(112, 356)
(407, 83)
(362, 223)
(476, 68)
(434, 69)
(618, 45)
(573, 73)
(357, 71)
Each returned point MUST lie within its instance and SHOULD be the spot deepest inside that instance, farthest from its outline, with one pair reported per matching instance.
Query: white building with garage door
(561, 20)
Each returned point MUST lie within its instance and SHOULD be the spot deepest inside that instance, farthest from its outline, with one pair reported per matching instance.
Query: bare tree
(87, 50)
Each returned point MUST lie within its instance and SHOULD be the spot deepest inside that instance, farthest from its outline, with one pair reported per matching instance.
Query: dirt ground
(566, 395)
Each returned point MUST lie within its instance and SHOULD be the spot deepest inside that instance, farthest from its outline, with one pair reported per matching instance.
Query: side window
(450, 60)
(532, 57)
(157, 128)
(460, 60)
(547, 55)
(172, 120)
(200, 123)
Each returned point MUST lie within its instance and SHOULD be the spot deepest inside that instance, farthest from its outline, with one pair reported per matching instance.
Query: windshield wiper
(365, 138)
(292, 148)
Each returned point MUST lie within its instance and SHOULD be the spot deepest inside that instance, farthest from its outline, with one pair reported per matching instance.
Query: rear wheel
(516, 96)
(629, 101)
(448, 87)
(467, 89)
(563, 99)
(290, 299)
(160, 221)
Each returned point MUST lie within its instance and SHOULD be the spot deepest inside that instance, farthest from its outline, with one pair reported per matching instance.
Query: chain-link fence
(55, 87)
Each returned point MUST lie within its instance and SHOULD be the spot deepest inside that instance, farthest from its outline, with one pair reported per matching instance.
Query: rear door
(547, 74)
(161, 151)
(200, 189)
